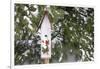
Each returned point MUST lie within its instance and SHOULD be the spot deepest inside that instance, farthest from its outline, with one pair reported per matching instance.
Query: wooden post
(46, 61)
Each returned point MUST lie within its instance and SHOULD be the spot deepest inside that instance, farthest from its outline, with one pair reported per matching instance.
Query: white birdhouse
(45, 35)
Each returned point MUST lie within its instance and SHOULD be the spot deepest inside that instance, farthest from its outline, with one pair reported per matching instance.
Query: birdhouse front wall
(46, 38)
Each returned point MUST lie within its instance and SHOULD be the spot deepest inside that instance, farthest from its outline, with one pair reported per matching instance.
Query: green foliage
(72, 33)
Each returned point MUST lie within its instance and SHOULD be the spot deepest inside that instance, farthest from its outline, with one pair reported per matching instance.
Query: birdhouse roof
(42, 18)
